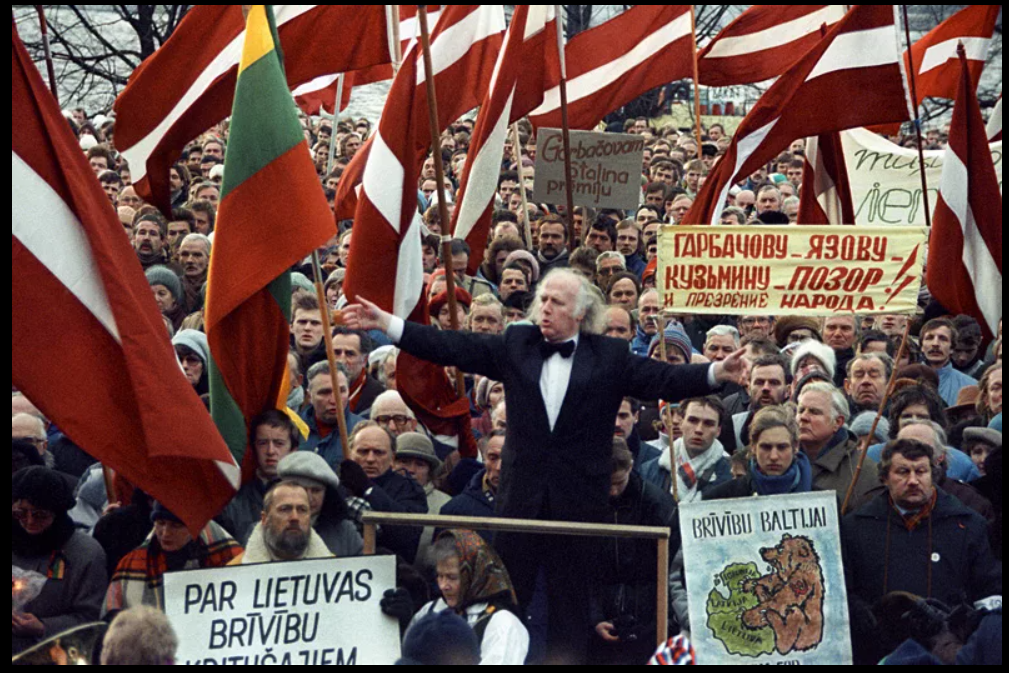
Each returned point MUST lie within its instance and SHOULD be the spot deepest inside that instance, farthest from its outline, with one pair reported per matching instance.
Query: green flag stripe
(227, 415)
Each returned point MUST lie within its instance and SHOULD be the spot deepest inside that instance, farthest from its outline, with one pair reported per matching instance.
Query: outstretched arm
(473, 354)
(650, 379)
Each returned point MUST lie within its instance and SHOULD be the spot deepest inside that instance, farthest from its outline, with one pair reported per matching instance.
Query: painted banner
(307, 613)
(605, 169)
(766, 581)
(886, 182)
(814, 271)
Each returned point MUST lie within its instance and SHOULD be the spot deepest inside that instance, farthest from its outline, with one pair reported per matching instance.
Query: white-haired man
(565, 383)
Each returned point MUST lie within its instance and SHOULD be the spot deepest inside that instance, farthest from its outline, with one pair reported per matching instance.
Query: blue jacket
(329, 447)
(473, 501)
(635, 264)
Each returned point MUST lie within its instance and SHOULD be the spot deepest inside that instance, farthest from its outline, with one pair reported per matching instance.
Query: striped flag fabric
(320, 93)
(386, 261)
(612, 64)
(995, 123)
(272, 215)
(764, 42)
(857, 61)
(529, 60)
(965, 250)
(88, 345)
(826, 191)
(188, 85)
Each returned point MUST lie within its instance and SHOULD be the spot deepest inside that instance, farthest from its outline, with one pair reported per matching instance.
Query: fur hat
(810, 348)
(43, 488)
(784, 327)
(523, 256)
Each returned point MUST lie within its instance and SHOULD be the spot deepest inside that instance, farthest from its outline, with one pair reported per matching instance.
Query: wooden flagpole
(397, 39)
(528, 230)
(50, 70)
(917, 123)
(662, 354)
(439, 170)
(882, 410)
(697, 84)
(327, 337)
(336, 118)
(566, 133)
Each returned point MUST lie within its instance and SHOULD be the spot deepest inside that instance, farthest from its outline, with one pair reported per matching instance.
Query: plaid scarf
(140, 577)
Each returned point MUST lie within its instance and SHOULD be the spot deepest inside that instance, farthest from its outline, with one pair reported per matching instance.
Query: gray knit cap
(162, 275)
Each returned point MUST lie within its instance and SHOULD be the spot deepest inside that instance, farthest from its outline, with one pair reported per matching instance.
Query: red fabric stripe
(762, 65)
(943, 82)
(122, 403)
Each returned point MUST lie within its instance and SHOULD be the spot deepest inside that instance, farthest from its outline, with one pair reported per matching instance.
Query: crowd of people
(619, 413)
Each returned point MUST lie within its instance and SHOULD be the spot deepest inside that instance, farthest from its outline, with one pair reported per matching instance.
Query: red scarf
(912, 521)
(357, 389)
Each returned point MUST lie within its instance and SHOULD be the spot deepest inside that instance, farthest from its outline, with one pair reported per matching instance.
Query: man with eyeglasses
(756, 326)
(391, 412)
(31, 429)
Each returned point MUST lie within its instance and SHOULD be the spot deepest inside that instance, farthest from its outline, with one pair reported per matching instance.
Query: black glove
(398, 604)
(354, 479)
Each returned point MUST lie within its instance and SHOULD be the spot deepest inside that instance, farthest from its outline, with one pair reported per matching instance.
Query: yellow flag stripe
(258, 38)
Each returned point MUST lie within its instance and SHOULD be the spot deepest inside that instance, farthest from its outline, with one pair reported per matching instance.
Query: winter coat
(834, 469)
(627, 567)
(474, 501)
(74, 593)
(245, 511)
(395, 493)
(328, 447)
(642, 452)
(256, 552)
(658, 472)
(954, 544)
(505, 640)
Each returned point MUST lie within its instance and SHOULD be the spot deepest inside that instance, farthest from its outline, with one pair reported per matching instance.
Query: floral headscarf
(483, 577)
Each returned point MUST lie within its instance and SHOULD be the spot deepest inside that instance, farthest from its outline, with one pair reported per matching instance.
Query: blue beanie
(862, 425)
(443, 639)
(676, 337)
(194, 341)
(996, 423)
(161, 513)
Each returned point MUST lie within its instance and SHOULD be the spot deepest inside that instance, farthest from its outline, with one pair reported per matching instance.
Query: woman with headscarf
(44, 541)
(475, 585)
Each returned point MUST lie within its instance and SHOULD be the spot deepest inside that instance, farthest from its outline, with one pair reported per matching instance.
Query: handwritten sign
(813, 271)
(885, 179)
(309, 613)
(766, 581)
(605, 169)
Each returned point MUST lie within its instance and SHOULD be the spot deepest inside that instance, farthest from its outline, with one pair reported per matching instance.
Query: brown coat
(834, 469)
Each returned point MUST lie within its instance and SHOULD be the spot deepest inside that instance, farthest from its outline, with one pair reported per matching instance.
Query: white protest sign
(886, 182)
(308, 613)
(605, 169)
(766, 581)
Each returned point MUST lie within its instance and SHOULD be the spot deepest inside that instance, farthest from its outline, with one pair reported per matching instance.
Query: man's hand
(365, 317)
(27, 626)
(605, 631)
(734, 369)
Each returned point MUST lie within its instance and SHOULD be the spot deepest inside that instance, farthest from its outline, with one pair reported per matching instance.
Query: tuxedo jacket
(561, 474)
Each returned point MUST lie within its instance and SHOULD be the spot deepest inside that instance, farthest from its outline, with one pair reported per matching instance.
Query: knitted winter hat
(442, 639)
(527, 257)
(162, 275)
(676, 337)
(194, 341)
(825, 354)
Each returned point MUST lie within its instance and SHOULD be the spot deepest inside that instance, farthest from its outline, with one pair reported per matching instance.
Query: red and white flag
(965, 251)
(995, 123)
(529, 60)
(852, 78)
(320, 94)
(386, 261)
(188, 85)
(826, 191)
(764, 42)
(610, 65)
(89, 346)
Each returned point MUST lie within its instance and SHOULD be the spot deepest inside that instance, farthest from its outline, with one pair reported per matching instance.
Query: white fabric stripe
(226, 59)
(383, 182)
(939, 54)
(995, 123)
(861, 49)
(409, 271)
(457, 40)
(317, 84)
(483, 175)
(48, 228)
(744, 148)
(409, 29)
(591, 82)
(825, 189)
(231, 472)
(778, 36)
(977, 259)
(537, 19)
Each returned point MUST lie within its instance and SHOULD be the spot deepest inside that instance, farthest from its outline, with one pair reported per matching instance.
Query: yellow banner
(811, 271)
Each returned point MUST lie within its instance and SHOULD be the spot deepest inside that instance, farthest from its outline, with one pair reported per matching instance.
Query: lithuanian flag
(273, 214)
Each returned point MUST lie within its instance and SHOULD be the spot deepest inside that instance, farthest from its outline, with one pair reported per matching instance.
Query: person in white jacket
(474, 584)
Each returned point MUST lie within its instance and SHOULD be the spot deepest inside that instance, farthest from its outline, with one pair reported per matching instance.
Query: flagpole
(327, 337)
(917, 121)
(50, 70)
(439, 171)
(392, 16)
(879, 415)
(697, 84)
(522, 184)
(336, 116)
(566, 133)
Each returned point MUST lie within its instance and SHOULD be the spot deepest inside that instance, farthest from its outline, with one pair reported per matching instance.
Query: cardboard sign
(766, 581)
(886, 183)
(308, 613)
(605, 169)
(814, 271)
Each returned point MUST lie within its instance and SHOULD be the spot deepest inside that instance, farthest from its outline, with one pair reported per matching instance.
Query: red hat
(461, 296)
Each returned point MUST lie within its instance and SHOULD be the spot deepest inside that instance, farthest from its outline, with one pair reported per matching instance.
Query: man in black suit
(565, 384)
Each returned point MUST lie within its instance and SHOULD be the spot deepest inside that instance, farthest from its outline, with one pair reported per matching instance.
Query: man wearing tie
(564, 384)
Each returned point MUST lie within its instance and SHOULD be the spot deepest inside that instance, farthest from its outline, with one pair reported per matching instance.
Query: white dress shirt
(554, 380)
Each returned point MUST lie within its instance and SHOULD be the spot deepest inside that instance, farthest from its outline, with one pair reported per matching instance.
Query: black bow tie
(566, 349)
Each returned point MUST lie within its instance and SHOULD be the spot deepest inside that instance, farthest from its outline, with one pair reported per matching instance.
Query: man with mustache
(285, 530)
(553, 244)
(150, 231)
(194, 256)
(938, 341)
